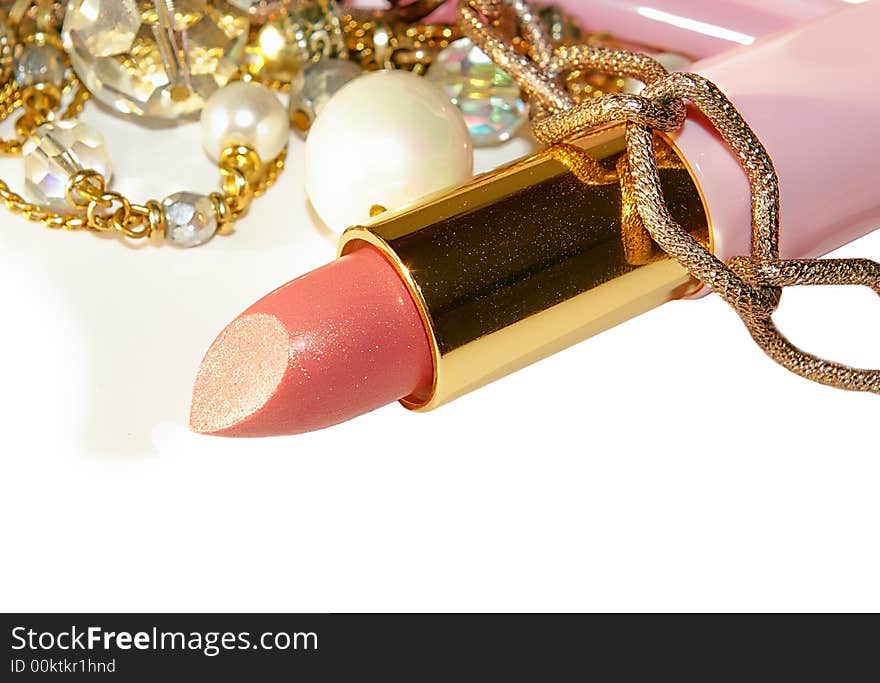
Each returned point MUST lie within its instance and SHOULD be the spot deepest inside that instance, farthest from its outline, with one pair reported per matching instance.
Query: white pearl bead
(244, 114)
(385, 139)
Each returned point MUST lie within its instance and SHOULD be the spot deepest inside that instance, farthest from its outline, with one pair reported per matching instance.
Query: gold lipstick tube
(533, 257)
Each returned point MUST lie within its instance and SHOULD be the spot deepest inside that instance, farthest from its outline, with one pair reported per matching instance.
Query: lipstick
(437, 299)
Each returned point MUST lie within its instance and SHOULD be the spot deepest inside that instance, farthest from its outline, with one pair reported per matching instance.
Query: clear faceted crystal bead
(156, 58)
(54, 152)
(490, 100)
(190, 219)
(312, 88)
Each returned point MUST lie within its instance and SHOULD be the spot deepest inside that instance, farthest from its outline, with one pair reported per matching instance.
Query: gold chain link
(10, 100)
(77, 103)
(244, 178)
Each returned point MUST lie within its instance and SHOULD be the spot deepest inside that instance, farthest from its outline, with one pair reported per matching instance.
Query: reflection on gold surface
(533, 257)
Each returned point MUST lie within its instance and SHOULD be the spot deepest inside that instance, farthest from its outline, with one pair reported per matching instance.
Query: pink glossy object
(811, 96)
(333, 344)
(691, 27)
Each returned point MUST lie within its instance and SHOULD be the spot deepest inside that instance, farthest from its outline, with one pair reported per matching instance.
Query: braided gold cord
(751, 285)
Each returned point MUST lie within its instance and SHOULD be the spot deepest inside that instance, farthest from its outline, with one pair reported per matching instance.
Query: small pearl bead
(244, 114)
(190, 219)
(385, 139)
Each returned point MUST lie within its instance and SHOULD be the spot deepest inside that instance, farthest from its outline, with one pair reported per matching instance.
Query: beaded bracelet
(225, 61)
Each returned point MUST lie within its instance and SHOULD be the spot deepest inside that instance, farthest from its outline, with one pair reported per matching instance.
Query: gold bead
(156, 218)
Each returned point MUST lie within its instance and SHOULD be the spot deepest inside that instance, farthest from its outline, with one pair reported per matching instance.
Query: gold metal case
(532, 257)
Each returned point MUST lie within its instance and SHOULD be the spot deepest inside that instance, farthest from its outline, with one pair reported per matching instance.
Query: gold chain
(104, 210)
(243, 179)
(751, 285)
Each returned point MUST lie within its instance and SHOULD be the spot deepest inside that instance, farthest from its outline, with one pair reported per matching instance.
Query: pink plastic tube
(691, 27)
(816, 111)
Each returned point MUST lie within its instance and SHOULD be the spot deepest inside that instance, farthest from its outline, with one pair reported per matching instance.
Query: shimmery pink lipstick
(437, 299)
(326, 347)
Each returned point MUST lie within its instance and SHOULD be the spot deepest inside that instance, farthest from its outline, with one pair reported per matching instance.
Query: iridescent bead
(39, 64)
(190, 219)
(314, 86)
(489, 99)
(245, 114)
(154, 58)
(54, 152)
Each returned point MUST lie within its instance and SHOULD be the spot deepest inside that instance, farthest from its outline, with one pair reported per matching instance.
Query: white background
(664, 465)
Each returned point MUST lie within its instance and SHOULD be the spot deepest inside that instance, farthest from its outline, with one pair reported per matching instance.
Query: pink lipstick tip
(241, 371)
